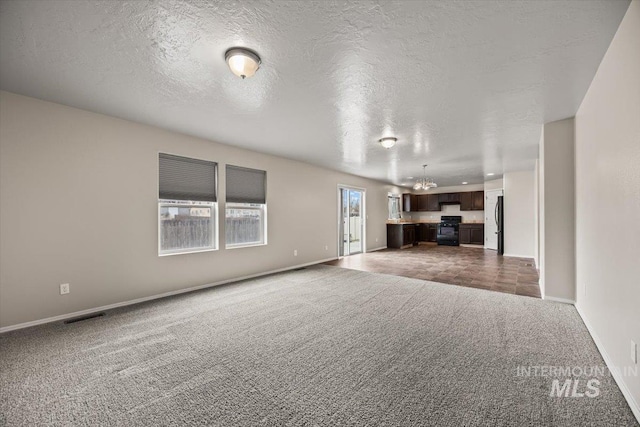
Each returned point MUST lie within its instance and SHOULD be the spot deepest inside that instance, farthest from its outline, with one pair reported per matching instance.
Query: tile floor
(456, 265)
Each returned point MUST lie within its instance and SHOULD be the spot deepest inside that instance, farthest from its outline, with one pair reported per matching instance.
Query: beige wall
(78, 205)
(608, 183)
(519, 214)
(541, 207)
(494, 184)
(536, 214)
(557, 193)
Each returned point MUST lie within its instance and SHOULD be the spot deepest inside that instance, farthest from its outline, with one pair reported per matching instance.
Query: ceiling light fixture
(242, 62)
(388, 141)
(490, 174)
(424, 183)
(465, 183)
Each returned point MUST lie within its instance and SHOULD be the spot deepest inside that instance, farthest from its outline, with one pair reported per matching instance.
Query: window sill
(197, 251)
(250, 245)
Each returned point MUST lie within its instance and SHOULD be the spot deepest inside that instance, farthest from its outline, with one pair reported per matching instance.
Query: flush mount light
(242, 62)
(388, 142)
(490, 174)
(465, 183)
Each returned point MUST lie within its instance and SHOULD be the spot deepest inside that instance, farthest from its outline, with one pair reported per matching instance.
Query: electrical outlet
(295, 252)
(326, 247)
(634, 352)
(64, 289)
(376, 239)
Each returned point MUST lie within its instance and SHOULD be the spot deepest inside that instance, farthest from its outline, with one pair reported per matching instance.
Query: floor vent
(299, 268)
(87, 317)
(528, 265)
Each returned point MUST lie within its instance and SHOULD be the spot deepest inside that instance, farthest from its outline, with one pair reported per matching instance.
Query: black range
(448, 230)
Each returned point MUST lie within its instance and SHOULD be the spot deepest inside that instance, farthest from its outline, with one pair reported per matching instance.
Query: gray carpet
(323, 346)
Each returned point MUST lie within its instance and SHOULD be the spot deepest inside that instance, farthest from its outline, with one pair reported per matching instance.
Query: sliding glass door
(351, 221)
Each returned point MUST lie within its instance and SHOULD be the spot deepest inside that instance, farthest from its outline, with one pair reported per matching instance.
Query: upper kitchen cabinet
(423, 202)
(428, 202)
(478, 200)
(433, 202)
(472, 201)
(449, 198)
(409, 202)
(466, 201)
(469, 201)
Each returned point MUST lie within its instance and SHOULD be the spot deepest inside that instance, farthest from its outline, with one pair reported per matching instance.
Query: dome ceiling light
(242, 62)
(388, 141)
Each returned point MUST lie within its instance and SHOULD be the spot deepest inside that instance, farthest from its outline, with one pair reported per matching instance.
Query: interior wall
(541, 207)
(536, 214)
(557, 191)
(494, 184)
(78, 205)
(608, 181)
(519, 214)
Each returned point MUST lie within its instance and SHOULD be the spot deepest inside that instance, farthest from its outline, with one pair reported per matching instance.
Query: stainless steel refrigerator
(499, 216)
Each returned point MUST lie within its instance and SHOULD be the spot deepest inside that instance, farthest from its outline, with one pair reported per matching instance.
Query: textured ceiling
(464, 86)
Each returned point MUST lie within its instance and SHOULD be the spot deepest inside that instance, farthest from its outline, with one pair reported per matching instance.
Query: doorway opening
(351, 221)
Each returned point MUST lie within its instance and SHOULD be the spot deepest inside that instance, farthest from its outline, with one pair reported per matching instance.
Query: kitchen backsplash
(467, 216)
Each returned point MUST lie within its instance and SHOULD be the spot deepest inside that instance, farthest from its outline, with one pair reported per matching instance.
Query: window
(187, 205)
(394, 206)
(246, 209)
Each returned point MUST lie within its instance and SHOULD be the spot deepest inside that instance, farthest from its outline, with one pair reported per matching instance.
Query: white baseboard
(562, 300)
(519, 256)
(615, 373)
(152, 297)
(377, 249)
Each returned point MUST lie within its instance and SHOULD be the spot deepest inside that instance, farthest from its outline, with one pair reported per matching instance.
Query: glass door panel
(351, 222)
(355, 221)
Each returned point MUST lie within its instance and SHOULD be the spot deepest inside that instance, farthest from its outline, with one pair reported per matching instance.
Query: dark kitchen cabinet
(426, 232)
(433, 202)
(409, 202)
(469, 201)
(423, 232)
(449, 198)
(478, 200)
(401, 235)
(432, 232)
(471, 234)
(422, 202)
(427, 202)
(464, 235)
(472, 201)
(466, 201)
(408, 234)
(477, 235)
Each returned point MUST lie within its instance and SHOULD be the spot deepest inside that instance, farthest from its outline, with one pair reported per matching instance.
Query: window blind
(246, 185)
(183, 178)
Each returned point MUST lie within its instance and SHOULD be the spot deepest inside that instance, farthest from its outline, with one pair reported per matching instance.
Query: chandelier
(424, 183)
